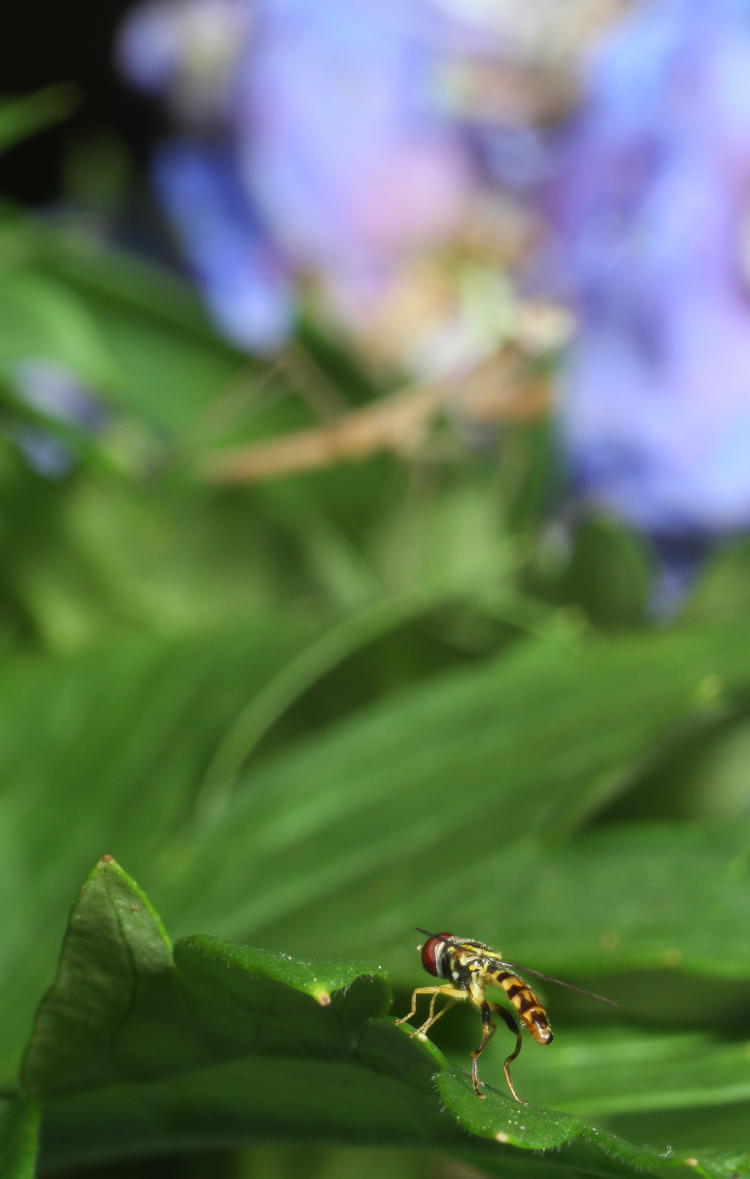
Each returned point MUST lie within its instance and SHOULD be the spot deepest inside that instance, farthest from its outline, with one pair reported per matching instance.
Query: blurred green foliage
(312, 712)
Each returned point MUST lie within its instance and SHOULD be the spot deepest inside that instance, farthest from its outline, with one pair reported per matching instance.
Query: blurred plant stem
(504, 389)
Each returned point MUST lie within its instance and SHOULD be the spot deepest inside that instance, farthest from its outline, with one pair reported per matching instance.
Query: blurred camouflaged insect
(472, 967)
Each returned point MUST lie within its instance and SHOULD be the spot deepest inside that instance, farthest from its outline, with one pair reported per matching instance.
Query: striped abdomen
(526, 1004)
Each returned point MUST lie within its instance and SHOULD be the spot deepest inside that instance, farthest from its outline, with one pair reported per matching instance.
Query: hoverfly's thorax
(460, 966)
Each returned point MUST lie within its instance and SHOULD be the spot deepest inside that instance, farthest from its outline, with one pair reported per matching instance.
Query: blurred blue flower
(245, 279)
(318, 144)
(648, 208)
(186, 50)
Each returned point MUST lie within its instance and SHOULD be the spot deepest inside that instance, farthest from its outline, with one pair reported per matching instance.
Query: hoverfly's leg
(513, 1027)
(418, 991)
(451, 992)
(432, 1018)
(407, 1017)
(488, 1031)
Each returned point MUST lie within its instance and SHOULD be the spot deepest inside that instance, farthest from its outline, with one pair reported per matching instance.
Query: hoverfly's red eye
(432, 952)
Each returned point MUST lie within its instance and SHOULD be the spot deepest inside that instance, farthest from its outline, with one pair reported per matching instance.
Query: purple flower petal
(340, 135)
(648, 210)
(186, 50)
(244, 279)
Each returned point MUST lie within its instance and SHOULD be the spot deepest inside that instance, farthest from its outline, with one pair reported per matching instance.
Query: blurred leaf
(19, 1134)
(101, 270)
(40, 319)
(607, 575)
(443, 806)
(76, 439)
(700, 1128)
(93, 554)
(23, 117)
(720, 586)
(622, 1070)
(530, 478)
(170, 364)
(635, 896)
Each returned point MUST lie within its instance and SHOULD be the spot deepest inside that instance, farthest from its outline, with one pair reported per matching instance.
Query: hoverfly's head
(433, 951)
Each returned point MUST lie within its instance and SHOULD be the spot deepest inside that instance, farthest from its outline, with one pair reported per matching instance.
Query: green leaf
(252, 1018)
(450, 805)
(446, 808)
(235, 1042)
(171, 365)
(637, 896)
(607, 575)
(115, 988)
(125, 740)
(580, 1146)
(19, 1136)
(41, 319)
(135, 1052)
(626, 1070)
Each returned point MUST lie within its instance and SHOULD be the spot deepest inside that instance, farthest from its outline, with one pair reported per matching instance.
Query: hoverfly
(472, 967)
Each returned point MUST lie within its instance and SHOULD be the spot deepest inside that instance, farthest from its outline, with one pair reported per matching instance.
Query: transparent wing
(568, 986)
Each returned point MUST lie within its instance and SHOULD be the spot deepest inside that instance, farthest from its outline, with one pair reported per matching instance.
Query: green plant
(140, 1046)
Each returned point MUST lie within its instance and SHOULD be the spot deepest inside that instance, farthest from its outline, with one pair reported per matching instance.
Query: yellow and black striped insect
(472, 967)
